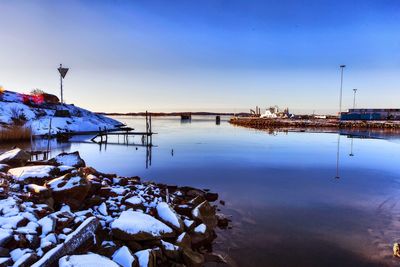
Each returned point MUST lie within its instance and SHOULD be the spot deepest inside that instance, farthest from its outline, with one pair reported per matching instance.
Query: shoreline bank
(324, 125)
(60, 210)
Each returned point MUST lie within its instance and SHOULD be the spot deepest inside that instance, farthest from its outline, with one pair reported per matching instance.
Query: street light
(63, 72)
(354, 99)
(341, 88)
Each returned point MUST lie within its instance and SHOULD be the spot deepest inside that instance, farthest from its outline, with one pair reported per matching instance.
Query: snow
(40, 171)
(18, 253)
(36, 188)
(201, 229)
(4, 236)
(134, 222)
(48, 241)
(10, 222)
(9, 154)
(64, 168)
(22, 259)
(86, 260)
(39, 117)
(71, 159)
(143, 257)
(61, 184)
(123, 257)
(188, 223)
(166, 213)
(103, 209)
(47, 224)
(169, 246)
(134, 200)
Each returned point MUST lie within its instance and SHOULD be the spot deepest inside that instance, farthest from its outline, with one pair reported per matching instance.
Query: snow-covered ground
(38, 117)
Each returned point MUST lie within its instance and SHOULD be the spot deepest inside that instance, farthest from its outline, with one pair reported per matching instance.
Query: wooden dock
(125, 132)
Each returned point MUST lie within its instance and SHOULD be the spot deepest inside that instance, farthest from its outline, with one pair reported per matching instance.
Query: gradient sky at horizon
(215, 55)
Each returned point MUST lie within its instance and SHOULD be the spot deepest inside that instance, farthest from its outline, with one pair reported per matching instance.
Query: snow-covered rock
(68, 159)
(86, 260)
(134, 225)
(169, 216)
(124, 257)
(146, 258)
(32, 174)
(38, 116)
(15, 157)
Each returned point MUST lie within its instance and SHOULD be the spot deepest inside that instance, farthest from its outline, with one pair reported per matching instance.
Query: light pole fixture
(354, 98)
(63, 72)
(341, 88)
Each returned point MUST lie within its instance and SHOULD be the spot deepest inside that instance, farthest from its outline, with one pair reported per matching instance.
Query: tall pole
(354, 98)
(341, 88)
(61, 80)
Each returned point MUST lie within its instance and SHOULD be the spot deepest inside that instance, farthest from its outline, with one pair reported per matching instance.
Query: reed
(14, 133)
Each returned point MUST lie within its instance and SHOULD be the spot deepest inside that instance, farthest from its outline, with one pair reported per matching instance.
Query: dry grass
(14, 133)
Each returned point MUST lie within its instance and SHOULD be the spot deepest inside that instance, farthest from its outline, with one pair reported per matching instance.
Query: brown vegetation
(14, 133)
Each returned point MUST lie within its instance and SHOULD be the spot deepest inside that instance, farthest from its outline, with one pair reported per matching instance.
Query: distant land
(161, 114)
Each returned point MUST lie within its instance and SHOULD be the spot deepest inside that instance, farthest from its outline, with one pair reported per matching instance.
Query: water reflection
(286, 207)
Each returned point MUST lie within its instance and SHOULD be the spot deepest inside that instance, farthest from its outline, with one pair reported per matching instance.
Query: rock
(192, 258)
(184, 209)
(134, 202)
(396, 250)
(167, 215)
(133, 245)
(68, 159)
(85, 260)
(123, 256)
(211, 197)
(222, 221)
(184, 240)
(93, 201)
(170, 250)
(146, 258)
(205, 213)
(5, 261)
(197, 201)
(200, 236)
(33, 174)
(48, 225)
(214, 257)
(4, 167)
(15, 158)
(26, 260)
(5, 236)
(138, 226)
(70, 190)
(38, 191)
(107, 248)
(4, 252)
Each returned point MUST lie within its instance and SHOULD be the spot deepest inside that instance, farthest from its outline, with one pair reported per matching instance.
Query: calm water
(287, 207)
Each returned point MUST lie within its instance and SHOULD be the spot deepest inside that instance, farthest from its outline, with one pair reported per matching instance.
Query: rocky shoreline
(312, 124)
(60, 212)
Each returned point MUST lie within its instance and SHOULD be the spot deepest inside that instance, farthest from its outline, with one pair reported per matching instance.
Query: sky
(209, 55)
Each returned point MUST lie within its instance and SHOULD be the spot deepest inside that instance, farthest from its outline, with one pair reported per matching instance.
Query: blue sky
(204, 55)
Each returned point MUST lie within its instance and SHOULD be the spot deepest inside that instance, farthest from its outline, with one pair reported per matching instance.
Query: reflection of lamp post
(341, 88)
(354, 99)
(351, 147)
(337, 157)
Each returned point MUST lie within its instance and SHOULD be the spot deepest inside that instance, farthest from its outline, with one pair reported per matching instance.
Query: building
(369, 114)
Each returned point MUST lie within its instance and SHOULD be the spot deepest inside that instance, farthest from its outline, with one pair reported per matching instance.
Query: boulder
(38, 191)
(167, 215)
(184, 240)
(69, 189)
(68, 159)
(146, 258)
(15, 158)
(33, 174)
(138, 226)
(4, 167)
(205, 213)
(123, 256)
(85, 260)
(170, 250)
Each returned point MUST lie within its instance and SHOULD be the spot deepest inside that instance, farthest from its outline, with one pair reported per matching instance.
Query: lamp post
(354, 98)
(63, 72)
(341, 88)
